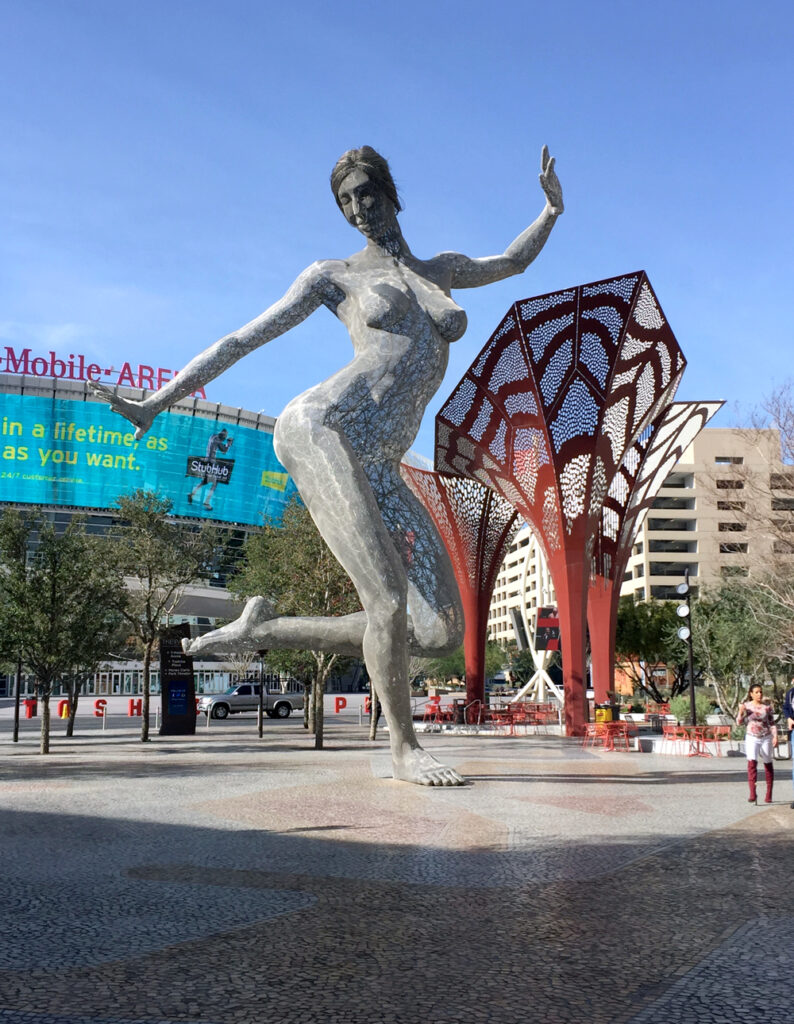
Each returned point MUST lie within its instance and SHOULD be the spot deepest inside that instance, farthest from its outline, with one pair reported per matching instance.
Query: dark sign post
(177, 685)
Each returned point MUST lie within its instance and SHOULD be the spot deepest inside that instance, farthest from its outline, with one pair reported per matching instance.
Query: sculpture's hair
(375, 166)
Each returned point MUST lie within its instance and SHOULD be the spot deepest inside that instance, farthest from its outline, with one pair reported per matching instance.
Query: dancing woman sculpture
(342, 441)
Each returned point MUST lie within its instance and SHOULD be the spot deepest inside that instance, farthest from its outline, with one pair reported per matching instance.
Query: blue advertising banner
(62, 452)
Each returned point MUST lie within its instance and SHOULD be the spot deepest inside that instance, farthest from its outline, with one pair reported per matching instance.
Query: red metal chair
(502, 718)
(594, 734)
(673, 733)
(719, 734)
(621, 735)
(431, 710)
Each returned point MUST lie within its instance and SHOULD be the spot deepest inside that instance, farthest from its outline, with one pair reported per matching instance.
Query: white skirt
(758, 748)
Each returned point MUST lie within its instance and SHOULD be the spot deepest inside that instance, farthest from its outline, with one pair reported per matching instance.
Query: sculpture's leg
(258, 628)
(343, 505)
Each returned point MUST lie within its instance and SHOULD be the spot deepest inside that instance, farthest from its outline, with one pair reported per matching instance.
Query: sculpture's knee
(440, 631)
(389, 612)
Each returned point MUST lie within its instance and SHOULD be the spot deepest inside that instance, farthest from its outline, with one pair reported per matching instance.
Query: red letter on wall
(339, 703)
(63, 709)
(135, 707)
(99, 707)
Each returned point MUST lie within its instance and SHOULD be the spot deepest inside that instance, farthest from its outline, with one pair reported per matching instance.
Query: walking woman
(342, 440)
(760, 740)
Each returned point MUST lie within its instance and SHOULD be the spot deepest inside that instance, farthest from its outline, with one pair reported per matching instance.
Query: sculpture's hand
(550, 183)
(136, 412)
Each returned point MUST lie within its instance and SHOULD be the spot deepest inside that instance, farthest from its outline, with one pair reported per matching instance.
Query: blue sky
(165, 174)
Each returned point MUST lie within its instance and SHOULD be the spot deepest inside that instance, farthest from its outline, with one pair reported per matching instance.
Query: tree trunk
(319, 689)
(312, 705)
(44, 747)
(147, 664)
(307, 699)
(74, 696)
(17, 697)
(374, 711)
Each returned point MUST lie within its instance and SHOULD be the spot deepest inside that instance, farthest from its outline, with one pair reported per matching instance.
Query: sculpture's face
(366, 206)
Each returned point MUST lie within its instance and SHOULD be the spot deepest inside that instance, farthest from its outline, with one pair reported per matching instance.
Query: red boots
(769, 771)
(752, 778)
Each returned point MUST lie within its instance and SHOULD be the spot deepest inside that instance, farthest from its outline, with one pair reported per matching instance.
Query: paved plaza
(224, 879)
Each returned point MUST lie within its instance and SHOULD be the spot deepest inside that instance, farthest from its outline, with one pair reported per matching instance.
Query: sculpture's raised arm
(303, 298)
(471, 272)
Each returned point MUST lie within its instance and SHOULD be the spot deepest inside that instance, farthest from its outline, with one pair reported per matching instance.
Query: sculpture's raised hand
(550, 183)
(136, 412)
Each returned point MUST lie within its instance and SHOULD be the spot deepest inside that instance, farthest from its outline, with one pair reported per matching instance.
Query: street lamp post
(684, 632)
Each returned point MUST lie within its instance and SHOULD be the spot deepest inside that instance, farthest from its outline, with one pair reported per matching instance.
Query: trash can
(459, 712)
(603, 713)
(655, 722)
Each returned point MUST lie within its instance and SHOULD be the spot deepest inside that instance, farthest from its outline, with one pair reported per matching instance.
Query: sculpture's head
(365, 191)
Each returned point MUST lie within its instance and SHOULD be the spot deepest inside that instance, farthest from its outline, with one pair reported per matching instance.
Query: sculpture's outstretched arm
(469, 272)
(311, 290)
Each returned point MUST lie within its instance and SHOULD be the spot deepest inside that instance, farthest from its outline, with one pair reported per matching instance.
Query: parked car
(245, 697)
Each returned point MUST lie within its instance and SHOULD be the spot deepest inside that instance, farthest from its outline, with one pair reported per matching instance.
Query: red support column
(570, 584)
(602, 601)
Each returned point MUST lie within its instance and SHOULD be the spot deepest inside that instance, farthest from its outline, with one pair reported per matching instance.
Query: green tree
(646, 638)
(454, 664)
(521, 666)
(450, 666)
(60, 604)
(731, 644)
(300, 665)
(294, 567)
(159, 558)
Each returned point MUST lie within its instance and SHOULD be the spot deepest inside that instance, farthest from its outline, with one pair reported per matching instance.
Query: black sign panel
(177, 685)
(547, 630)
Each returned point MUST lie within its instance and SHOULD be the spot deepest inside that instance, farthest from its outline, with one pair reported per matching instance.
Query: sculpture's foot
(244, 634)
(422, 768)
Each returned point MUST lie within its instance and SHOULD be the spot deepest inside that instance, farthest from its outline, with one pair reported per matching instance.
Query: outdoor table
(613, 730)
(698, 741)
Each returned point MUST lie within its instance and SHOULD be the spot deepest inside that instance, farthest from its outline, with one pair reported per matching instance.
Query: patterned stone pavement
(226, 880)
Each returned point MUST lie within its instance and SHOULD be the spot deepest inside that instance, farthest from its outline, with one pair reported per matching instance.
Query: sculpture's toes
(443, 776)
(423, 769)
(449, 777)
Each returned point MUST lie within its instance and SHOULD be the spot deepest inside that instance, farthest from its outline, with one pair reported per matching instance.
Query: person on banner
(759, 741)
(220, 442)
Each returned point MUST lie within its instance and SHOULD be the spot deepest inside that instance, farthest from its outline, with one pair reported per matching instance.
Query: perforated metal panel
(631, 493)
(546, 414)
(476, 526)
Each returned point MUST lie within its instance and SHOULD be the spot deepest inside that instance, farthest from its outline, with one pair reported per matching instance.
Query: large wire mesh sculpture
(476, 525)
(631, 493)
(342, 441)
(545, 416)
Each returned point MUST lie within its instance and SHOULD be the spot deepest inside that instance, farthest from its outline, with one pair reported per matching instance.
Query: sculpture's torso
(401, 320)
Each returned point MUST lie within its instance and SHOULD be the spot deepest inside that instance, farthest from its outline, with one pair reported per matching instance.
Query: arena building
(63, 452)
